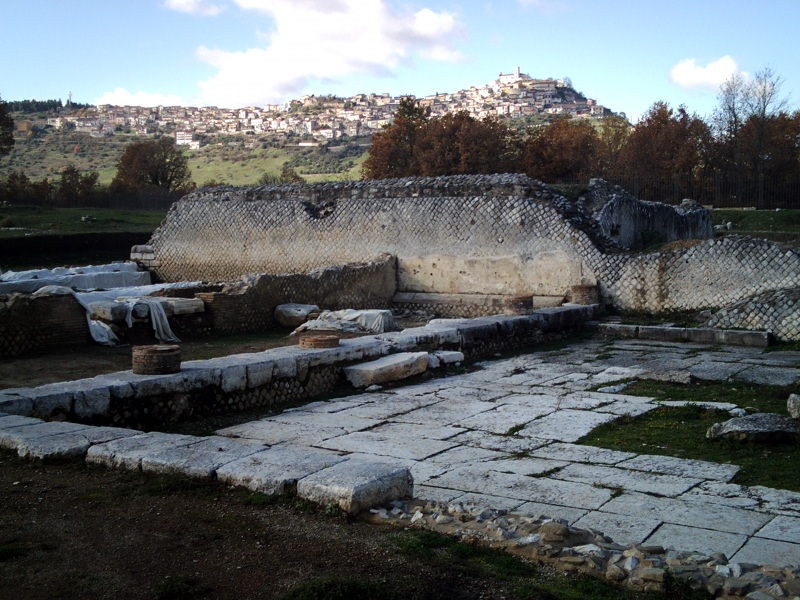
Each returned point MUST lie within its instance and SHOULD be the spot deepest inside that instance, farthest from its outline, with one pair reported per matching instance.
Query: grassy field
(680, 432)
(234, 160)
(19, 221)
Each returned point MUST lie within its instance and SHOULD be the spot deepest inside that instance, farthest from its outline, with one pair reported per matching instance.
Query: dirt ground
(71, 531)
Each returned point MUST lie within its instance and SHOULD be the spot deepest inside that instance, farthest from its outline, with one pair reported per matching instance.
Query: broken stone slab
(357, 485)
(293, 315)
(793, 406)
(277, 469)
(760, 427)
(388, 368)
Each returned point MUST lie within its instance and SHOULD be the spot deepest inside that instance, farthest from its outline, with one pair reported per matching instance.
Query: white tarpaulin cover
(91, 277)
(373, 321)
(102, 333)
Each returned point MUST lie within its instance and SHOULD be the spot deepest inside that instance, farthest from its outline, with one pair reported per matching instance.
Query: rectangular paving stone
(481, 479)
(769, 375)
(540, 510)
(13, 437)
(409, 432)
(508, 444)
(435, 494)
(489, 501)
(462, 392)
(504, 417)
(387, 445)
(786, 529)
(762, 551)
(272, 432)
(347, 422)
(356, 485)
(688, 511)
(201, 459)
(387, 406)
(695, 539)
(70, 445)
(566, 425)
(11, 421)
(446, 412)
(526, 466)
(637, 481)
(626, 408)
(128, 452)
(678, 466)
(581, 454)
(623, 529)
(277, 469)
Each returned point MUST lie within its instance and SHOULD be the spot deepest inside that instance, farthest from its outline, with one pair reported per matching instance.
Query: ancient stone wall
(30, 323)
(248, 305)
(491, 235)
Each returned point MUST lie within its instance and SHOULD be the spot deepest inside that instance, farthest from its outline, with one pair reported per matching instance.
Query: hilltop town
(514, 96)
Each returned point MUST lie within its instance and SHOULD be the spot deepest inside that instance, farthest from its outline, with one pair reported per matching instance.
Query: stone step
(386, 369)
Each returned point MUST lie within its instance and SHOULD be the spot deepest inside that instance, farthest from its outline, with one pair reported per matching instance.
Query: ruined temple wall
(635, 224)
(710, 274)
(534, 244)
(218, 239)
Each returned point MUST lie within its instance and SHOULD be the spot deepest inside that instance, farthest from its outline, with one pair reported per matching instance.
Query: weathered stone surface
(696, 539)
(760, 550)
(277, 469)
(128, 452)
(293, 315)
(201, 459)
(793, 406)
(356, 485)
(13, 437)
(760, 427)
(389, 368)
(70, 445)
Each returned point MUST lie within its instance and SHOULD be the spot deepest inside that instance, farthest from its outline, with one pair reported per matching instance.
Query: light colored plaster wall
(547, 273)
(501, 243)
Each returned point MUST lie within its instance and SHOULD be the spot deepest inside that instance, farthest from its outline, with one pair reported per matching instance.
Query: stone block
(93, 402)
(792, 405)
(201, 459)
(260, 373)
(113, 312)
(15, 405)
(662, 334)
(128, 452)
(389, 368)
(276, 470)
(618, 330)
(185, 306)
(356, 485)
(70, 445)
(293, 315)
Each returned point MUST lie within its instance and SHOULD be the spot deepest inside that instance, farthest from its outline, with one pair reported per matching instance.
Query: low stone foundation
(275, 377)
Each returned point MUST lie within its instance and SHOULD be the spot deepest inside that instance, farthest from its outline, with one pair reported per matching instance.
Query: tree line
(746, 153)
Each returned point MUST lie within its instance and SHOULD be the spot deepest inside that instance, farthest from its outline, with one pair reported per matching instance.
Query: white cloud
(122, 97)
(199, 7)
(324, 40)
(690, 75)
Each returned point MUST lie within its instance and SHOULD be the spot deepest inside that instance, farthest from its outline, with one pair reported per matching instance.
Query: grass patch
(680, 431)
(43, 219)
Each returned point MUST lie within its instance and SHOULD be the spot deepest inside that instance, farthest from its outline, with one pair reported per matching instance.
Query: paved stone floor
(504, 436)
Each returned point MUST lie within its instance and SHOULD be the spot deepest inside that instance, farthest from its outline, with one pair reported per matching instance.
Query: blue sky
(232, 53)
